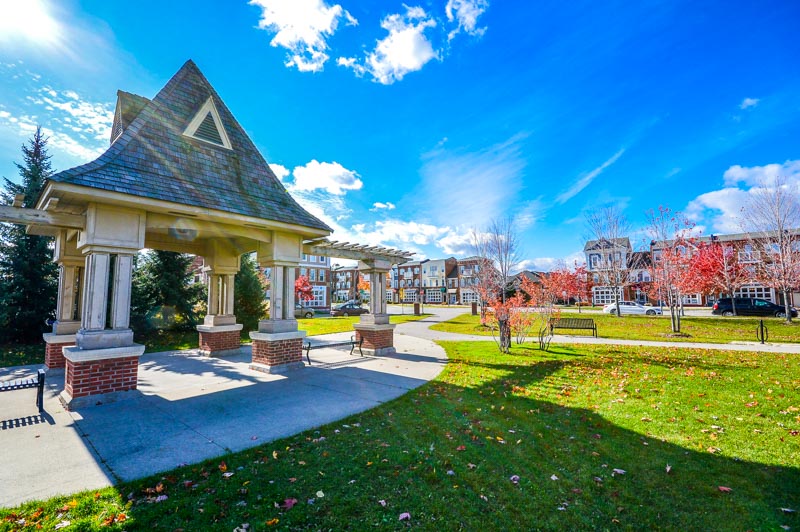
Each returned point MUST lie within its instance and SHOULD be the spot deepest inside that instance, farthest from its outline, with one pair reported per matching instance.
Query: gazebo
(180, 175)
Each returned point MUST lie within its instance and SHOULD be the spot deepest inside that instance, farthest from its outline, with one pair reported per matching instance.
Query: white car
(629, 307)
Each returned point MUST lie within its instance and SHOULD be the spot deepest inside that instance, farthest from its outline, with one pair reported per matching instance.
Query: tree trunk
(505, 336)
(787, 306)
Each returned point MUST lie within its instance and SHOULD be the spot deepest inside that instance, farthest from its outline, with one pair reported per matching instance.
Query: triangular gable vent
(207, 126)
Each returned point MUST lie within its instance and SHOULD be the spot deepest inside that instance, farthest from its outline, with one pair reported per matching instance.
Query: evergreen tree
(249, 291)
(28, 276)
(162, 296)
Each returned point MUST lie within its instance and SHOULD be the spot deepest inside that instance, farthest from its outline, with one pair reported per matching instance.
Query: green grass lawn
(695, 328)
(21, 355)
(589, 437)
(329, 325)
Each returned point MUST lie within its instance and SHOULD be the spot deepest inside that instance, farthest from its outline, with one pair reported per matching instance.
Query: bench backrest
(573, 322)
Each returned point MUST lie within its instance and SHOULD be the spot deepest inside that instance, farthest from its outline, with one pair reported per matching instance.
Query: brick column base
(220, 340)
(378, 339)
(277, 352)
(53, 351)
(99, 375)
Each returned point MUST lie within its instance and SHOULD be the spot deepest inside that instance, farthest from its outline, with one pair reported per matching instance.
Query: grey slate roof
(591, 245)
(153, 159)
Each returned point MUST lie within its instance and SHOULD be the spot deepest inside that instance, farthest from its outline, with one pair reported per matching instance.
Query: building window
(756, 291)
(305, 257)
(603, 295)
(303, 272)
(313, 258)
(434, 296)
(319, 297)
(322, 276)
(468, 296)
(321, 259)
(312, 275)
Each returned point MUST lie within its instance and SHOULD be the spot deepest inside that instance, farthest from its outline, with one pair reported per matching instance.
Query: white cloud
(720, 211)
(406, 48)
(756, 175)
(749, 102)
(380, 205)
(587, 179)
(302, 27)
(466, 13)
(280, 171)
(452, 180)
(331, 177)
(458, 243)
(75, 127)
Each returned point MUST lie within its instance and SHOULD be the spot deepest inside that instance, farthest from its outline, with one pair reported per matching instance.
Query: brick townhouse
(601, 256)
(318, 271)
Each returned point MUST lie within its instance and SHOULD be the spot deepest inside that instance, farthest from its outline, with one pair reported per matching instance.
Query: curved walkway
(420, 329)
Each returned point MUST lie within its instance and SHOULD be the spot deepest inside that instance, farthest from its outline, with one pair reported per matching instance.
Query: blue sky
(410, 124)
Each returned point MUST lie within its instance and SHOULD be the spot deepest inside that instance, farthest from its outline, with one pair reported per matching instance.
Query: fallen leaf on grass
(787, 510)
(724, 489)
(63, 524)
(668, 468)
(405, 516)
(223, 466)
(382, 503)
(320, 494)
(618, 471)
(229, 474)
(471, 466)
(274, 521)
(553, 477)
(288, 503)
(514, 479)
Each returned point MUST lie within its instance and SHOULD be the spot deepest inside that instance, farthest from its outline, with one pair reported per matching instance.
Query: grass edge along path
(716, 330)
(583, 437)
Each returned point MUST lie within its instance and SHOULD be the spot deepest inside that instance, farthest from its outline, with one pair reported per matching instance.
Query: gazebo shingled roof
(152, 158)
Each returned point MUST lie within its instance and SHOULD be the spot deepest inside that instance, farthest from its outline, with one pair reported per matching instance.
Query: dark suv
(750, 307)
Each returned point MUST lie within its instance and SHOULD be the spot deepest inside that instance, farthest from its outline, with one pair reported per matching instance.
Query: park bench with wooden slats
(353, 343)
(574, 323)
(31, 382)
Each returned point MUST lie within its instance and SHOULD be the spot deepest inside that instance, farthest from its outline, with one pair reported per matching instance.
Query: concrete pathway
(189, 408)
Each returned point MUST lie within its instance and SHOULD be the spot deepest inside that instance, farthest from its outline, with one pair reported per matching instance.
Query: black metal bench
(353, 343)
(31, 382)
(573, 323)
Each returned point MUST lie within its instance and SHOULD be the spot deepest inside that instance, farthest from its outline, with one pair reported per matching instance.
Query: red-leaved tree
(715, 269)
(303, 290)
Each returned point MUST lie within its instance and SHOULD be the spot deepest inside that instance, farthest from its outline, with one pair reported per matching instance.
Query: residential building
(344, 283)
(434, 279)
(606, 262)
(468, 270)
(409, 281)
(318, 271)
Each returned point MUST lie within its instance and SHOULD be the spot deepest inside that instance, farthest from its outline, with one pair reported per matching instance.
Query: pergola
(180, 175)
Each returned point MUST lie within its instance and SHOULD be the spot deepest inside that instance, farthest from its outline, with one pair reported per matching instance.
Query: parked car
(750, 307)
(629, 307)
(348, 309)
(303, 312)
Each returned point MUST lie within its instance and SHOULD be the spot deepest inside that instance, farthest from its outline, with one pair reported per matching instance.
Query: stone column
(278, 345)
(374, 328)
(104, 362)
(70, 268)
(220, 335)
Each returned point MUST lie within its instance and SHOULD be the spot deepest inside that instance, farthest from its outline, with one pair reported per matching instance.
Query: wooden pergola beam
(19, 215)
